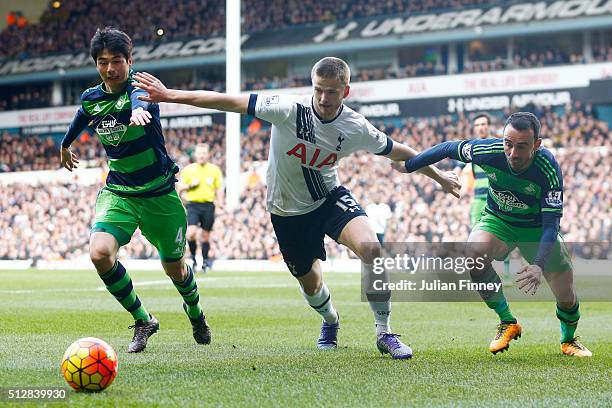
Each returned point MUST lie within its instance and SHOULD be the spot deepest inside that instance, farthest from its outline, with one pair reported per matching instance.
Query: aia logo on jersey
(311, 158)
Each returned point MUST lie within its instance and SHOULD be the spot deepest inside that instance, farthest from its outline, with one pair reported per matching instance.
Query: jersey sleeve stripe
(546, 173)
(494, 151)
(252, 104)
(387, 148)
(551, 173)
(481, 149)
(551, 169)
(491, 146)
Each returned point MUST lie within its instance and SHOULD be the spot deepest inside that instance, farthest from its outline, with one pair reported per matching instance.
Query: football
(89, 364)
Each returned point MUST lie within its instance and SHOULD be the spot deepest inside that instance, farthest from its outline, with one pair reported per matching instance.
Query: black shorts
(202, 214)
(300, 237)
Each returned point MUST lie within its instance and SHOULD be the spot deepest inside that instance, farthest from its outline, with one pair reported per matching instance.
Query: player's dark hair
(111, 39)
(332, 67)
(522, 121)
(482, 115)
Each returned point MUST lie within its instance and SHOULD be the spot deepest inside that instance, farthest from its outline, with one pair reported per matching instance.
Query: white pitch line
(217, 282)
(25, 291)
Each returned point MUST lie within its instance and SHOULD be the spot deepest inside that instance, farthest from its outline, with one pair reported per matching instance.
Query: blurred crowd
(525, 58)
(70, 26)
(574, 125)
(25, 97)
(52, 220)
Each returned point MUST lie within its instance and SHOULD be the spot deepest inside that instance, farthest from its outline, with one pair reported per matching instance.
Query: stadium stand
(188, 18)
(51, 221)
(572, 126)
(41, 96)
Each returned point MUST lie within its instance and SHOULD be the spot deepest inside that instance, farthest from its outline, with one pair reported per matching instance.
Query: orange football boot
(506, 332)
(575, 348)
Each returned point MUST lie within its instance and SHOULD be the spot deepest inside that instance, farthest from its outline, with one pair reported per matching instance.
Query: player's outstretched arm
(157, 92)
(448, 180)
(433, 155)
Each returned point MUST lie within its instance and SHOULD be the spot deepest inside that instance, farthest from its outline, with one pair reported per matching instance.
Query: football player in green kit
(139, 190)
(524, 206)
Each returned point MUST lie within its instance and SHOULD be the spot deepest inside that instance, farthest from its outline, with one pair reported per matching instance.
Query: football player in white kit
(310, 134)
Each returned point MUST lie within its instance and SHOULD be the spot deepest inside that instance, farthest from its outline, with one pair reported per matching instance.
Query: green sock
(504, 313)
(119, 284)
(495, 300)
(569, 321)
(189, 291)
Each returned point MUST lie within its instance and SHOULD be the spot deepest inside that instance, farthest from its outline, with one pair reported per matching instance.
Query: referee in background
(202, 184)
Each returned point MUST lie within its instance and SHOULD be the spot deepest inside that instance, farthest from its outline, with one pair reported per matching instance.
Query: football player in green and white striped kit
(139, 190)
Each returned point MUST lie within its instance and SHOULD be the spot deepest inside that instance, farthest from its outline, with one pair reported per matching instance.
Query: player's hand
(140, 117)
(155, 88)
(529, 279)
(194, 184)
(398, 166)
(450, 183)
(68, 159)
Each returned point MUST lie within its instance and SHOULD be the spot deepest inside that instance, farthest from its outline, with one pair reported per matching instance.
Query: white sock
(381, 309)
(382, 312)
(322, 304)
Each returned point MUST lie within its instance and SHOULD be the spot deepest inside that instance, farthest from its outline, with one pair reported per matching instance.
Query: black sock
(205, 249)
(192, 248)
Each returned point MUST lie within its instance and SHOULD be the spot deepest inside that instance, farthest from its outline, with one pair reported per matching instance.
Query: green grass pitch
(263, 351)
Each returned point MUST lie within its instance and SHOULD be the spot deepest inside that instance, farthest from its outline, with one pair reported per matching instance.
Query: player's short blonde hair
(332, 67)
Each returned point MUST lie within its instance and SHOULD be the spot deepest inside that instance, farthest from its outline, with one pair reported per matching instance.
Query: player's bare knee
(101, 256)
(175, 271)
(312, 288)
(312, 282)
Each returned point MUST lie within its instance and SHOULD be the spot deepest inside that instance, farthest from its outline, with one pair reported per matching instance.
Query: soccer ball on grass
(89, 364)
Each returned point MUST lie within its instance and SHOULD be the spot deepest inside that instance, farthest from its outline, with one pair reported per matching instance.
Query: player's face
(201, 155)
(519, 147)
(113, 69)
(328, 95)
(481, 128)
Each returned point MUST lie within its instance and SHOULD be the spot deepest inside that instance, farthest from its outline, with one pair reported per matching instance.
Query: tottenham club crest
(340, 140)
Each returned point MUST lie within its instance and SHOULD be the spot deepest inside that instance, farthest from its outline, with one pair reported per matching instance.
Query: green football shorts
(476, 210)
(162, 220)
(528, 241)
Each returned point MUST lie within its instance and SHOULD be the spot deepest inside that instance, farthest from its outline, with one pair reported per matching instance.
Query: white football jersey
(305, 150)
